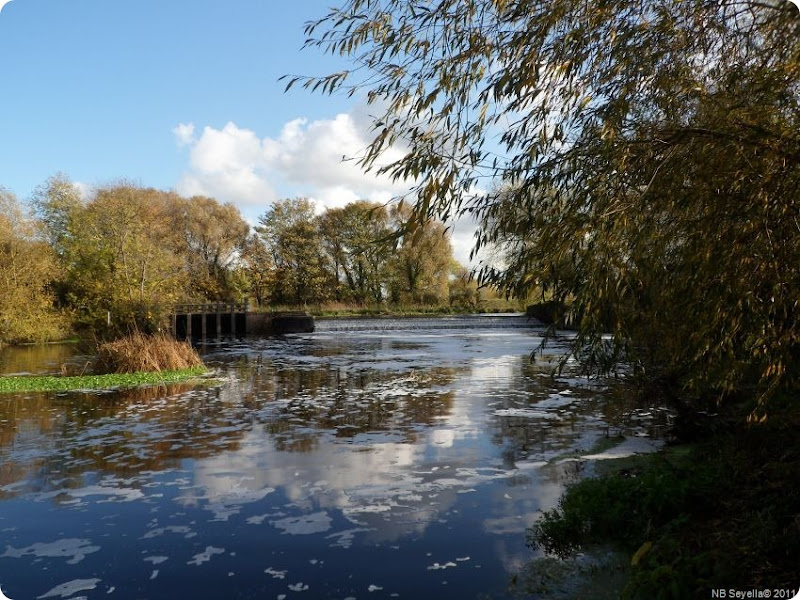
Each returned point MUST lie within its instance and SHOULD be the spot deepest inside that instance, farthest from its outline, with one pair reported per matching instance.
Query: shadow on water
(370, 461)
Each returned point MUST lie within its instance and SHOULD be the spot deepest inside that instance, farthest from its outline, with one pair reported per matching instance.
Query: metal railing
(210, 307)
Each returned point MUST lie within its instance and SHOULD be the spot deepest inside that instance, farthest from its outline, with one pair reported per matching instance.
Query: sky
(180, 95)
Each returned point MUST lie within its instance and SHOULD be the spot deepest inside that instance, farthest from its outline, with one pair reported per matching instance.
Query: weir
(209, 320)
(429, 322)
(232, 319)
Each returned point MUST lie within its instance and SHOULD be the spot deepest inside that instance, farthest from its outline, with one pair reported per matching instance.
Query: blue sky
(178, 94)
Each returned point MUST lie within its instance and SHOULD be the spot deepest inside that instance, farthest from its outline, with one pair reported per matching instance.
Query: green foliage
(422, 262)
(127, 253)
(213, 237)
(26, 267)
(720, 514)
(654, 190)
(594, 510)
(360, 254)
(120, 259)
(291, 235)
(258, 269)
(49, 383)
(357, 240)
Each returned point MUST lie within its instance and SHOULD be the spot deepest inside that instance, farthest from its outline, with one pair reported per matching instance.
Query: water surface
(376, 459)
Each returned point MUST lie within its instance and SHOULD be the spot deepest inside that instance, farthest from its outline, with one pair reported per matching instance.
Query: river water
(370, 459)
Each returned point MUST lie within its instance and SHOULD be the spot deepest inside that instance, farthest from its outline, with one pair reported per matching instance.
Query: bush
(139, 352)
(723, 513)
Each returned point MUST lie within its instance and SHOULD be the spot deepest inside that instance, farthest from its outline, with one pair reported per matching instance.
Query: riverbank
(720, 513)
(51, 383)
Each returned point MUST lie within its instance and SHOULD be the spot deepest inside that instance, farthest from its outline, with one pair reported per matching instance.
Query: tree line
(124, 256)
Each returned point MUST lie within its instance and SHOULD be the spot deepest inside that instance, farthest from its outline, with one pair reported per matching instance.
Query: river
(374, 458)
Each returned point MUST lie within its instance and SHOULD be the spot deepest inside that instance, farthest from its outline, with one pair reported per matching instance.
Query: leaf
(641, 553)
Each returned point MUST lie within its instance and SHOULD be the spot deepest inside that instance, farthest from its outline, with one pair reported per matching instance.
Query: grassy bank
(718, 514)
(48, 383)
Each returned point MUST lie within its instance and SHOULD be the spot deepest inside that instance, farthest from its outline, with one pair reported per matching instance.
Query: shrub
(139, 352)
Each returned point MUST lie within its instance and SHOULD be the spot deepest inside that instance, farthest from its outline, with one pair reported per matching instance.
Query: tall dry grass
(139, 352)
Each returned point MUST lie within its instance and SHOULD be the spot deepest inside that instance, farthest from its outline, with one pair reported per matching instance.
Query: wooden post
(219, 320)
(189, 324)
(203, 324)
(175, 324)
(233, 320)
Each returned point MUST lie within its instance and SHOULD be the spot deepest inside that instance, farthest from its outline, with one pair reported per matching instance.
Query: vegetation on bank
(719, 513)
(134, 360)
(49, 383)
(485, 304)
(138, 352)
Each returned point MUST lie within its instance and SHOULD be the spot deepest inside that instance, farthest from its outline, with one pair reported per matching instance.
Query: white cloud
(462, 239)
(184, 133)
(314, 159)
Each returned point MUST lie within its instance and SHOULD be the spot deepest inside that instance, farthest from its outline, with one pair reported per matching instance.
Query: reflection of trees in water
(44, 358)
(20, 415)
(122, 433)
(316, 402)
(549, 427)
(67, 441)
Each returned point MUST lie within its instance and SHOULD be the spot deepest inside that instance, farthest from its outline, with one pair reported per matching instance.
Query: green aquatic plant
(51, 383)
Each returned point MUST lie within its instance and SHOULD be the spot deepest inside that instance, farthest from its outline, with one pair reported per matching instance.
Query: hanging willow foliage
(639, 158)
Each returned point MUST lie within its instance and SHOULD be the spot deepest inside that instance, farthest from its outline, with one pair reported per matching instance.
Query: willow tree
(650, 146)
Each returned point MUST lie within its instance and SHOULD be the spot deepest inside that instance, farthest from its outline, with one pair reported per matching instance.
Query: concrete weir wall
(204, 322)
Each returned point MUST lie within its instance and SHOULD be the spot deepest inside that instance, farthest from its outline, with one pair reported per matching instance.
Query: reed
(154, 353)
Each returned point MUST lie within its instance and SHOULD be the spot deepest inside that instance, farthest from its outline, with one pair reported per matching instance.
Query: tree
(289, 231)
(213, 237)
(422, 262)
(27, 267)
(463, 289)
(356, 239)
(56, 202)
(258, 268)
(120, 256)
(664, 179)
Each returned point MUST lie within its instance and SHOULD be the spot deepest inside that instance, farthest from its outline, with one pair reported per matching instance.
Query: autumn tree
(212, 237)
(422, 261)
(463, 291)
(650, 145)
(290, 233)
(119, 256)
(256, 263)
(356, 240)
(27, 266)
